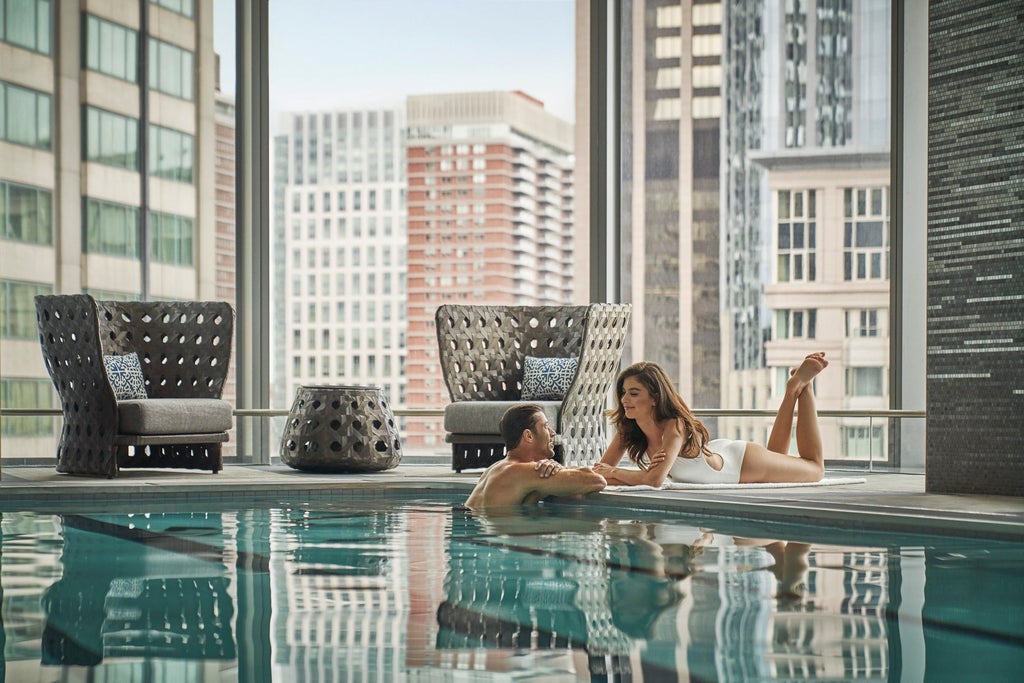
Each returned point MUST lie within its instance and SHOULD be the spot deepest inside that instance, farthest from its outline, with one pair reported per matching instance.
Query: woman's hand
(604, 469)
(657, 457)
(547, 467)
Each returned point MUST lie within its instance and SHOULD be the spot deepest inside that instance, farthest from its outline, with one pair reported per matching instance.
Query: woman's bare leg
(808, 435)
(772, 463)
(799, 379)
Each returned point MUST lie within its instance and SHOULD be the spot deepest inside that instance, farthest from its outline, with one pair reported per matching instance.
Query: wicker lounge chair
(183, 349)
(483, 351)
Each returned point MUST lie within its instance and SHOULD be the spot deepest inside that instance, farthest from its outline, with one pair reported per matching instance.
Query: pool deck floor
(884, 501)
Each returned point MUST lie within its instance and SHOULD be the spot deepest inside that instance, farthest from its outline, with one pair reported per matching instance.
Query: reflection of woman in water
(647, 575)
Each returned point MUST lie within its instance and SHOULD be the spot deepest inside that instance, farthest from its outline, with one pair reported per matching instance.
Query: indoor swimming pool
(404, 588)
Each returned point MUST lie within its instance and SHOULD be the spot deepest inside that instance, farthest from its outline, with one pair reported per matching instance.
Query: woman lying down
(657, 431)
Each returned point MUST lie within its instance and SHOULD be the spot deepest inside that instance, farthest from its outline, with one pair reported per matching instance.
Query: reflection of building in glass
(340, 244)
(672, 75)
(107, 183)
(490, 219)
(807, 209)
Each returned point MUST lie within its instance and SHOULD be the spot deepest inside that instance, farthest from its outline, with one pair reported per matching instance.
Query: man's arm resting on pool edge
(568, 481)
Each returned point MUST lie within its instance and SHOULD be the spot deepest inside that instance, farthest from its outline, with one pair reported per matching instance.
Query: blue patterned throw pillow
(547, 379)
(125, 375)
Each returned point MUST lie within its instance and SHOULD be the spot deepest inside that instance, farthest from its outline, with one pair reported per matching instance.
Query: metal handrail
(436, 412)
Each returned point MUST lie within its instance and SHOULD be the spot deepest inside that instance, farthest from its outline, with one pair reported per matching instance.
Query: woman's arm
(613, 454)
(660, 465)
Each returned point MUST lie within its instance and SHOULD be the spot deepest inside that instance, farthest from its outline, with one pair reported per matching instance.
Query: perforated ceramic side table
(335, 428)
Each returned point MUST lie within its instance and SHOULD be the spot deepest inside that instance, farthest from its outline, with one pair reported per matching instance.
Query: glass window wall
(26, 213)
(25, 116)
(111, 139)
(110, 49)
(26, 23)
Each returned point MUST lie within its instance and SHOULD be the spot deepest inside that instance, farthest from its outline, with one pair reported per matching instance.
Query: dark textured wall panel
(976, 247)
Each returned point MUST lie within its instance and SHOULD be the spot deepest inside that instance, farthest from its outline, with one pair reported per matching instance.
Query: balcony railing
(437, 452)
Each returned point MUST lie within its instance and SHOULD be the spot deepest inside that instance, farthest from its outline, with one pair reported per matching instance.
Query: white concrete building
(340, 251)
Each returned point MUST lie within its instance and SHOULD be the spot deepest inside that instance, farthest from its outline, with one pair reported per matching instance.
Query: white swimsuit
(698, 471)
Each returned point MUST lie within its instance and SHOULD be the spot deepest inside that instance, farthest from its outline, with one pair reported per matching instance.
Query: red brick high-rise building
(490, 185)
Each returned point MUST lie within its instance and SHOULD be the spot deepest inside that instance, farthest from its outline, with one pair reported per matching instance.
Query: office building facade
(340, 261)
(107, 178)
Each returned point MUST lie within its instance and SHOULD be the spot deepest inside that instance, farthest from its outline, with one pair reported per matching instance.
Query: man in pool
(527, 473)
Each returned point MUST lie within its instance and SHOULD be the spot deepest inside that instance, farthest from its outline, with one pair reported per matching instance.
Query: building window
(796, 231)
(26, 23)
(171, 154)
(668, 47)
(111, 49)
(111, 295)
(111, 229)
(862, 442)
(170, 69)
(18, 304)
(706, 107)
(27, 213)
(27, 394)
(866, 234)
(25, 116)
(183, 7)
(667, 109)
(863, 323)
(865, 382)
(793, 324)
(669, 17)
(111, 139)
(707, 45)
(171, 240)
(707, 15)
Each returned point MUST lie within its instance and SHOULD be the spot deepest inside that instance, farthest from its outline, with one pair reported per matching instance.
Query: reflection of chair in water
(113, 604)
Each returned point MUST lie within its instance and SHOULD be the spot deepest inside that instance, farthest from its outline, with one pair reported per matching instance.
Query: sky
(342, 53)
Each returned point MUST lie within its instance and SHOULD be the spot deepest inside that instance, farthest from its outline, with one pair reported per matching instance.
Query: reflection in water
(659, 598)
(421, 592)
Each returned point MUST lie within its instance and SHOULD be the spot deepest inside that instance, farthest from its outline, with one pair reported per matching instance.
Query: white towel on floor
(684, 486)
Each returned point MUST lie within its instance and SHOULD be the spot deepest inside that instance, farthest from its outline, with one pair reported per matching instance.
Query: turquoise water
(417, 589)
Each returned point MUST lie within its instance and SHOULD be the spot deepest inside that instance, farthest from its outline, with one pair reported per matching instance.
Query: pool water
(419, 589)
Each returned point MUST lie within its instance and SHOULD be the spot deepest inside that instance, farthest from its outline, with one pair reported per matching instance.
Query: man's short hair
(515, 421)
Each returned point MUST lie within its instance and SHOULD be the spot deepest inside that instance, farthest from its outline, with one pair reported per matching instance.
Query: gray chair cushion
(482, 417)
(173, 416)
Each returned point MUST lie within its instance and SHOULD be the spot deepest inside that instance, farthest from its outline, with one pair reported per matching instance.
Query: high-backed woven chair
(482, 350)
(183, 349)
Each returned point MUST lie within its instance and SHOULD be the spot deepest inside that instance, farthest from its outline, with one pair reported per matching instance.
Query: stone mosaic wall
(976, 247)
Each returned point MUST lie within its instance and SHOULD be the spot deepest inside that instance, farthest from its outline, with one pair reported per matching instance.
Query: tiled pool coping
(885, 502)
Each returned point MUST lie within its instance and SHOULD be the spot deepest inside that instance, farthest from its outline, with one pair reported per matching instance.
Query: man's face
(544, 436)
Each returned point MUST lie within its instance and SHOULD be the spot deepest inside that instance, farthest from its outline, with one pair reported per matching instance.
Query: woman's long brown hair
(668, 404)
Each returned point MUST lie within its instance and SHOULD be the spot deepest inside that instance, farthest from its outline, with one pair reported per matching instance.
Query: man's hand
(547, 467)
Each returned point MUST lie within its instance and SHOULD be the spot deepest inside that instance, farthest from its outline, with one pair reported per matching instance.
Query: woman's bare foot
(802, 376)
